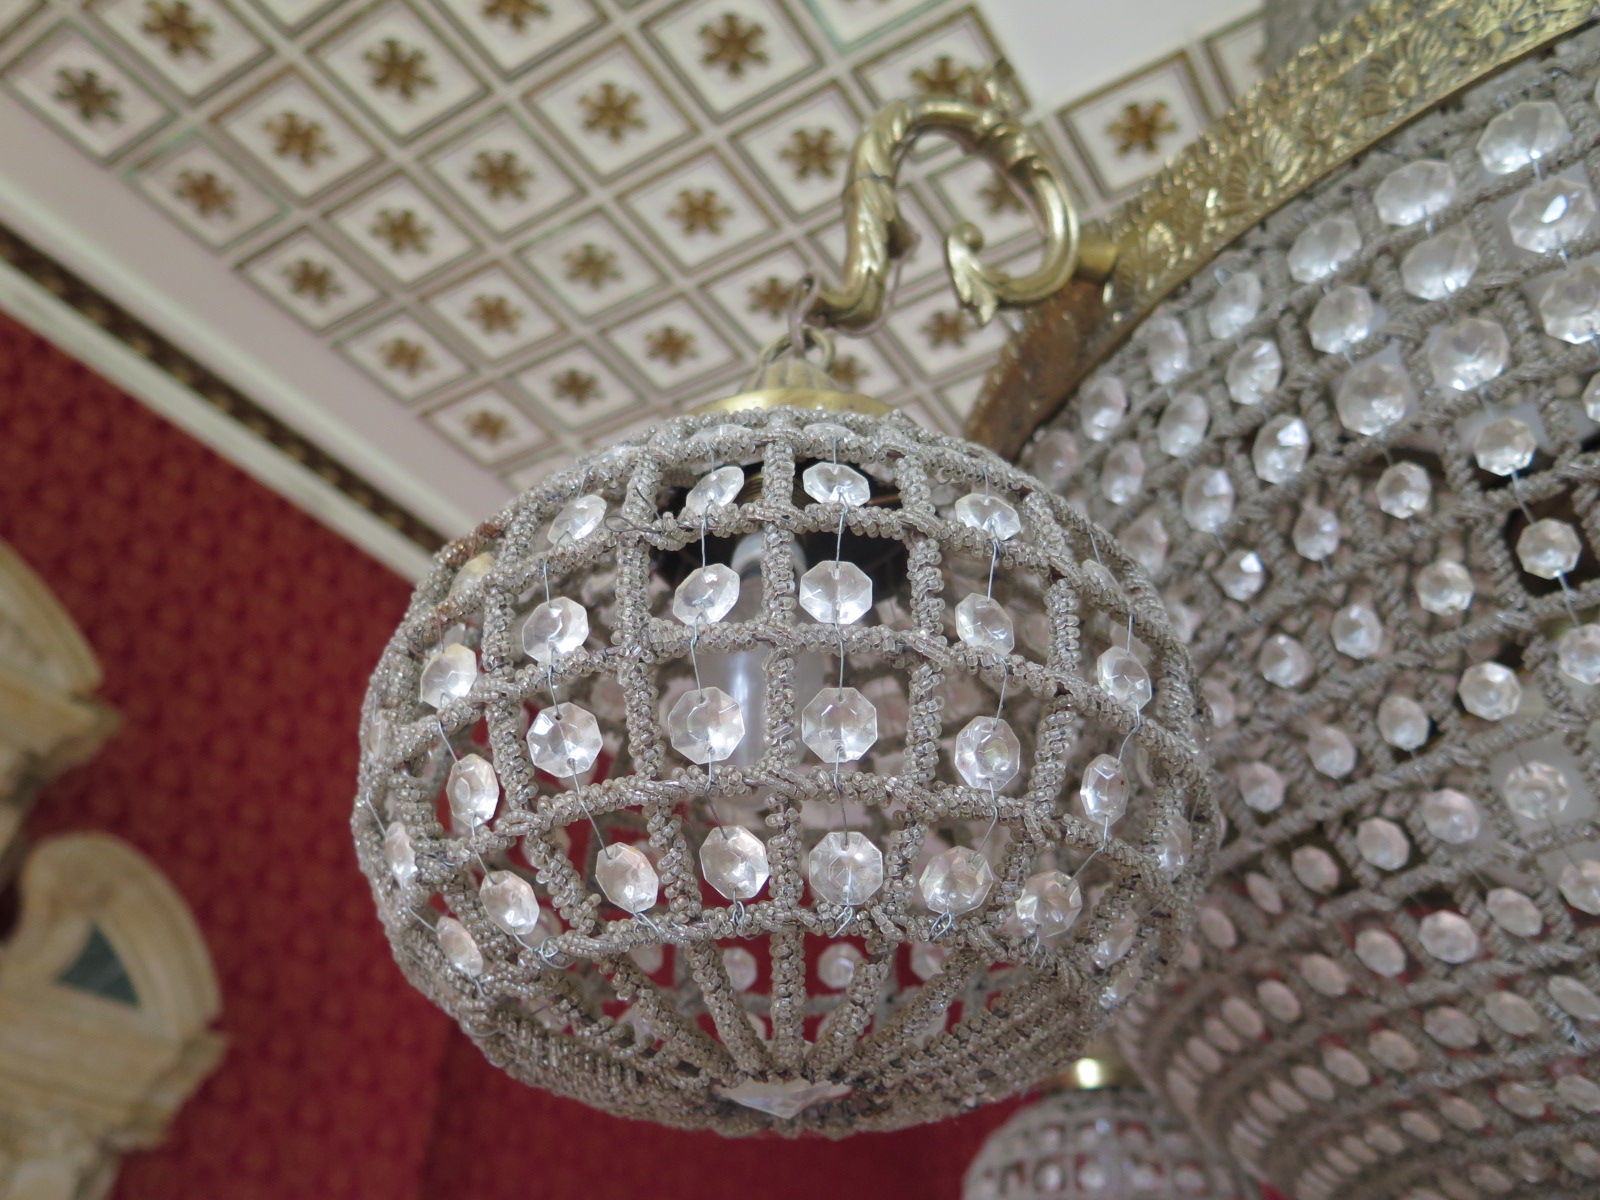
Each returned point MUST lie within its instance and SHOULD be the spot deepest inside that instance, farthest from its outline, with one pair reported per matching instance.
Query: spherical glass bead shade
(1117, 1143)
(674, 790)
(1484, 779)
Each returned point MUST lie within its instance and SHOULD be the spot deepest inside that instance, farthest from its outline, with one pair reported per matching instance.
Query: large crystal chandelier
(1358, 453)
(792, 766)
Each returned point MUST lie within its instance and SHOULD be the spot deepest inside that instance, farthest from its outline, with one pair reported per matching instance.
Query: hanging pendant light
(792, 766)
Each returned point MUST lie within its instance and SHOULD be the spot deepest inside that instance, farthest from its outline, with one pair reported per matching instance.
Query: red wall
(236, 635)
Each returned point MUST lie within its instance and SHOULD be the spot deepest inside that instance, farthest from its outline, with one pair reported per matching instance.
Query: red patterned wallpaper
(236, 635)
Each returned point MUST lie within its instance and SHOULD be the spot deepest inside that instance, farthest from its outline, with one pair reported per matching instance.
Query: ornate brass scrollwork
(987, 123)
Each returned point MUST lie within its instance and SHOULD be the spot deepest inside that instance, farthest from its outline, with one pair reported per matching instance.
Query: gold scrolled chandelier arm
(986, 123)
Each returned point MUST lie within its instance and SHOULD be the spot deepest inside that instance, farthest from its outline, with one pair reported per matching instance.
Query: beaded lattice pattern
(1360, 458)
(901, 907)
(1089, 1145)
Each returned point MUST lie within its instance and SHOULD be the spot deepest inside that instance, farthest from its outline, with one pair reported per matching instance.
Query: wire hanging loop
(987, 122)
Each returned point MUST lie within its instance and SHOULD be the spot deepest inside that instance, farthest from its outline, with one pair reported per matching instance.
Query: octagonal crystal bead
(1315, 533)
(1414, 192)
(1578, 653)
(1490, 690)
(1451, 816)
(956, 881)
(1166, 348)
(1382, 843)
(1322, 248)
(991, 514)
(1174, 847)
(1241, 575)
(472, 789)
(835, 483)
(1372, 396)
(705, 725)
(1234, 304)
(1537, 791)
(626, 877)
(1548, 548)
(836, 593)
(1331, 751)
(1146, 539)
(1580, 885)
(578, 519)
(845, 868)
(836, 966)
(1314, 867)
(1104, 791)
(473, 572)
(1281, 448)
(399, 854)
(1207, 499)
(734, 861)
(1514, 912)
(558, 626)
(1512, 1013)
(1505, 445)
(1124, 677)
(1440, 266)
(564, 740)
(509, 901)
(1102, 403)
(1260, 785)
(1254, 371)
(1451, 1027)
(1570, 305)
(720, 487)
(1053, 456)
(1380, 952)
(1404, 490)
(448, 675)
(987, 753)
(1183, 424)
(1444, 588)
(1284, 661)
(984, 624)
(1521, 135)
(1550, 214)
(706, 595)
(1122, 473)
(1402, 722)
(840, 725)
(1448, 936)
(1341, 319)
(1469, 353)
(1575, 997)
(460, 951)
(741, 967)
(1049, 904)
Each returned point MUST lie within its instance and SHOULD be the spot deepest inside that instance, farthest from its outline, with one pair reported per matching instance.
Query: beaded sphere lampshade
(784, 769)
(1358, 453)
(1116, 1143)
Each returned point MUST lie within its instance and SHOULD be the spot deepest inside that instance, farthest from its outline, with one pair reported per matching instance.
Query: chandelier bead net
(731, 778)
(1370, 499)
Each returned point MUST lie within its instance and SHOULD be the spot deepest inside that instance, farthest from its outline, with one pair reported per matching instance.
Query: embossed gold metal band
(1359, 83)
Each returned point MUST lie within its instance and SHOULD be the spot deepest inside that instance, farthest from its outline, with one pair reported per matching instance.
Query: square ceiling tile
(733, 52)
(297, 136)
(925, 258)
(937, 335)
(862, 366)
(961, 396)
(611, 111)
(802, 152)
(400, 227)
(1239, 54)
(74, 85)
(1128, 131)
(14, 12)
(578, 388)
(699, 211)
(488, 426)
(307, 277)
(405, 356)
(756, 297)
(494, 314)
(672, 345)
(396, 67)
(592, 265)
(503, 174)
(193, 182)
(936, 62)
(195, 45)
(850, 23)
(516, 34)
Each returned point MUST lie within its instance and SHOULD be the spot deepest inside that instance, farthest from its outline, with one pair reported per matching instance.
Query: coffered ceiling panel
(456, 242)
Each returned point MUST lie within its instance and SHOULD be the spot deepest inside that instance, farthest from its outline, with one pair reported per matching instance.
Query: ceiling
(432, 249)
